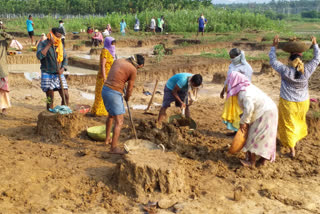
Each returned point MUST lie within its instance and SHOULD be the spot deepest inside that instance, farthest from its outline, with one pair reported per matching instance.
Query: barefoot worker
(122, 71)
(294, 94)
(231, 112)
(259, 119)
(53, 60)
(176, 90)
(4, 84)
(107, 57)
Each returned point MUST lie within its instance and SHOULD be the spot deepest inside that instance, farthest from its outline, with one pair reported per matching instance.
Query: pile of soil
(57, 127)
(151, 171)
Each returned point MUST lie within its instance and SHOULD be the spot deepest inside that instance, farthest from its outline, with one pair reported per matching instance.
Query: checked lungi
(52, 82)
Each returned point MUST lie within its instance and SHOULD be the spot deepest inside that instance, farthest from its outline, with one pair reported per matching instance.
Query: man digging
(177, 89)
(122, 71)
(53, 60)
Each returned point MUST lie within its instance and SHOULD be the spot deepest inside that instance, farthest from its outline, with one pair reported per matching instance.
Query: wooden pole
(154, 91)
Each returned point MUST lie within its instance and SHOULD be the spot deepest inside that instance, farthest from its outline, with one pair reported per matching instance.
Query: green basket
(98, 133)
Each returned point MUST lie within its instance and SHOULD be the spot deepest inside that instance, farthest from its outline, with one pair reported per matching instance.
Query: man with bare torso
(122, 71)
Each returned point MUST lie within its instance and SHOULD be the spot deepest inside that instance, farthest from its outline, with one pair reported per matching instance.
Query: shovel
(183, 121)
(131, 120)
(150, 102)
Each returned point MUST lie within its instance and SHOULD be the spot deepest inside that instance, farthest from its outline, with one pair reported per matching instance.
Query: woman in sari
(107, 57)
(231, 112)
(4, 83)
(294, 94)
(259, 119)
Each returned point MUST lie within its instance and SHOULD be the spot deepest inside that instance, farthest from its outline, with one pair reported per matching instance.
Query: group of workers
(156, 25)
(247, 108)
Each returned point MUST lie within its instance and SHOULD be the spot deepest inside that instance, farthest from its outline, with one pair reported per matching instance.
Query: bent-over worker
(177, 90)
(122, 71)
(259, 119)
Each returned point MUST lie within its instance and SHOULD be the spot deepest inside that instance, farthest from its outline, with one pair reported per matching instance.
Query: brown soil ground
(73, 174)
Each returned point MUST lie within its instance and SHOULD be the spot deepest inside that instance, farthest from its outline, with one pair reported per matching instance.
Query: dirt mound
(152, 171)
(56, 127)
(174, 138)
(198, 145)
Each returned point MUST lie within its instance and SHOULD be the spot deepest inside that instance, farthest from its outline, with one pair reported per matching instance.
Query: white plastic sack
(17, 45)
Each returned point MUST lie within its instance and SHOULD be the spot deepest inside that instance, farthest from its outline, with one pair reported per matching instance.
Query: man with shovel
(53, 58)
(122, 71)
(177, 90)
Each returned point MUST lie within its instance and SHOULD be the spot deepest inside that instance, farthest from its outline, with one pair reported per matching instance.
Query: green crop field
(219, 20)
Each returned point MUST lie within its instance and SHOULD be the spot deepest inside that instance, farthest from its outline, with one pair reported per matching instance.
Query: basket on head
(295, 46)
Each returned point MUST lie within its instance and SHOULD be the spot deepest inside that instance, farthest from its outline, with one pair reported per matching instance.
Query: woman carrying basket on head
(294, 94)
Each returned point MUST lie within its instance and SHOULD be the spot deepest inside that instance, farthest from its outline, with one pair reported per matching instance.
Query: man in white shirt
(153, 25)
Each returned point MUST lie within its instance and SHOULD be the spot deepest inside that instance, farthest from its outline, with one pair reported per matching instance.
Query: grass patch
(220, 53)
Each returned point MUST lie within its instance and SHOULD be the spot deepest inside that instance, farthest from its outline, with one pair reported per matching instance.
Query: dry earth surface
(73, 174)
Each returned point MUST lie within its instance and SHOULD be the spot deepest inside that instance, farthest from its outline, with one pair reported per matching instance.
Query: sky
(239, 1)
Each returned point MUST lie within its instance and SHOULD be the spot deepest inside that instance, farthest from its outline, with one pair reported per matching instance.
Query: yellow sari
(98, 107)
(292, 121)
(231, 113)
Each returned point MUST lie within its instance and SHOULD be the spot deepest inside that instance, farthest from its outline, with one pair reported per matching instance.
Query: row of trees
(95, 6)
(285, 7)
(310, 14)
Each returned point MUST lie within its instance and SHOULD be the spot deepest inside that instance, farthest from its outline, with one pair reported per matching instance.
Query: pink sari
(4, 93)
(4, 85)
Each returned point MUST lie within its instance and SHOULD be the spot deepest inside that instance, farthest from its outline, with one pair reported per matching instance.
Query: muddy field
(58, 169)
